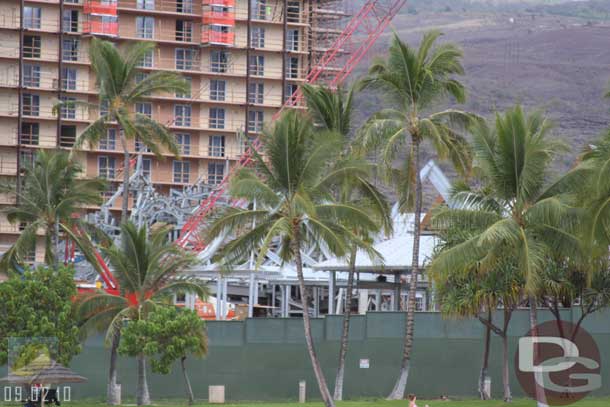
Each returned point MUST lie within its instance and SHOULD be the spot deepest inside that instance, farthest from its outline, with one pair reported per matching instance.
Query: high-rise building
(243, 59)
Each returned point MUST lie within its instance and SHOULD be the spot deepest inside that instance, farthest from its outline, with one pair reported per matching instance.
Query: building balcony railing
(170, 6)
(217, 38)
(106, 7)
(101, 28)
(219, 17)
(9, 21)
(8, 166)
(222, 3)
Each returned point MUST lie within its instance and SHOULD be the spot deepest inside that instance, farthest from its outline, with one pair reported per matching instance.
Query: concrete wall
(264, 359)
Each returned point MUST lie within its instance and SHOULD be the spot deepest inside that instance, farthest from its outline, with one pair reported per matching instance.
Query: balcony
(101, 28)
(219, 17)
(107, 8)
(218, 38)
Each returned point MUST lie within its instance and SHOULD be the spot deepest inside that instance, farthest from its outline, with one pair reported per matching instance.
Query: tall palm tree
(414, 81)
(119, 89)
(333, 111)
(293, 190)
(51, 192)
(515, 208)
(147, 267)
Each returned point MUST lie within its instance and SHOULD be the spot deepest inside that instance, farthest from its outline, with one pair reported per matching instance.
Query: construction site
(245, 61)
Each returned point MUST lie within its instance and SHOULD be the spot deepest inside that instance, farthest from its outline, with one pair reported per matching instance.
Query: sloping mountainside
(550, 55)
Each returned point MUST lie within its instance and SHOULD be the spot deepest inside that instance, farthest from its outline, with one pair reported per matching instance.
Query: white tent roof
(395, 251)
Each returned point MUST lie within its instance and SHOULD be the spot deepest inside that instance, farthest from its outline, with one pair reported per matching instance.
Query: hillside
(551, 55)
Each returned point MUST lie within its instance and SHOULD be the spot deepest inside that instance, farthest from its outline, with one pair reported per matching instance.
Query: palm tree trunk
(187, 382)
(142, 395)
(398, 391)
(485, 366)
(57, 247)
(540, 392)
(125, 203)
(112, 395)
(508, 397)
(345, 334)
(324, 392)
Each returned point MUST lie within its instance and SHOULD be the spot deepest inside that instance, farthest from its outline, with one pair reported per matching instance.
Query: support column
(225, 299)
(332, 276)
(378, 300)
(397, 292)
(363, 301)
(316, 302)
(251, 295)
(218, 298)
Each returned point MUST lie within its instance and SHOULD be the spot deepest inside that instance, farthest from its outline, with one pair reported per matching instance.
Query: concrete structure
(242, 57)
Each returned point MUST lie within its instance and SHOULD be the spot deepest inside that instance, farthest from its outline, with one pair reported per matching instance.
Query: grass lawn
(591, 402)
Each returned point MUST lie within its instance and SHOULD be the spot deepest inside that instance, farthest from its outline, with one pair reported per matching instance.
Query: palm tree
(119, 90)
(332, 111)
(293, 190)
(147, 267)
(514, 208)
(414, 81)
(50, 194)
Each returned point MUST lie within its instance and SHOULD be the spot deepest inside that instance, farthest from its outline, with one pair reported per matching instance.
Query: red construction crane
(355, 40)
(332, 68)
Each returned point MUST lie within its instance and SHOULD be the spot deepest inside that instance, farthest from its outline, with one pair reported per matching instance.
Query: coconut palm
(332, 111)
(513, 207)
(119, 90)
(414, 82)
(50, 194)
(147, 267)
(295, 208)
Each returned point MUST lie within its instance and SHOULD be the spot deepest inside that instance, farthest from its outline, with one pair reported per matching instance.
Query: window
(30, 105)
(218, 89)
(144, 108)
(147, 60)
(216, 146)
(67, 136)
(257, 37)
(184, 143)
(69, 49)
(292, 40)
(68, 109)
(217, 118)
(256, 92)
(216, 173)
(106, 167)
(140, 147)
(145, 4)
(293, 12)
(290, 89)
(145, 27)
(70, 21)
(31, 75)
(185, 58)
(219, 61)
(184, 31)
(182, 170)
(30, 133)
(146, 168)
(104, 104)
(31, 46)
(184, 6)
(256, 65)
(255, 120)
(292, 68)
(27, 158)
(261, 10)
(68, 78)
(32, 17)
(182, 115)
(108, 141)
(140, 76)
(188, 93)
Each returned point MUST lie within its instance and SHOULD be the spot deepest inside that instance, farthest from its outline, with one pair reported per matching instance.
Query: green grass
(592, 402)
